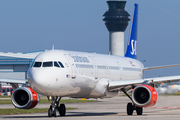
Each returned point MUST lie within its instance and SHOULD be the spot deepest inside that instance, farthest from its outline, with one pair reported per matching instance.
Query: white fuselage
(81, 75)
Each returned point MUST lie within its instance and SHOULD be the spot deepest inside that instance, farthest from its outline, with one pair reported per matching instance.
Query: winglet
(131, 49)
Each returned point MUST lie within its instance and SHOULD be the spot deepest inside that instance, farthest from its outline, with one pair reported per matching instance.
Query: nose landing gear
(55, 107)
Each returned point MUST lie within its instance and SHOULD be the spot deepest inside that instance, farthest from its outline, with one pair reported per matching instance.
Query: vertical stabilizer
(131, 49)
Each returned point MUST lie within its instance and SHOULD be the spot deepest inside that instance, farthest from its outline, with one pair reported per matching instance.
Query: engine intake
(24, 98)
(144, 96)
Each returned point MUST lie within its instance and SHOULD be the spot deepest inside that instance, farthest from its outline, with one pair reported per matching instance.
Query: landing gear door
(72, 65)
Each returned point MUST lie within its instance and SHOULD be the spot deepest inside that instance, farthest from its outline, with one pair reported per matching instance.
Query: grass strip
(5, 101)
(6, 96)
(42, 101)
(29, 111)
(173, 94)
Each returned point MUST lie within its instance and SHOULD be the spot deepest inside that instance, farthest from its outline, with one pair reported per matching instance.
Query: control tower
(116, 20)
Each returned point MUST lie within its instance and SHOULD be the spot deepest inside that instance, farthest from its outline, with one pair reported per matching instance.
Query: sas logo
(133, 46)
(132, 63)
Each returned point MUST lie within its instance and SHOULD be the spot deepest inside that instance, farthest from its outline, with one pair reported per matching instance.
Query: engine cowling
(24, 98)
(144, 96)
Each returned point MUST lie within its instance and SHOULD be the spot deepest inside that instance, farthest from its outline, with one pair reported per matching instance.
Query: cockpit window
(37, 64)
(56, 64)
(47, 64)
(61, 64)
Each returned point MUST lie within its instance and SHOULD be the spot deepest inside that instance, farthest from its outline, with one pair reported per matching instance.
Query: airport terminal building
(15, 65)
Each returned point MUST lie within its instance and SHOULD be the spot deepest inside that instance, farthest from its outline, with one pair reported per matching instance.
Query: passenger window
(61, 64)
(47, 64)
(56, 64)
(37, 64)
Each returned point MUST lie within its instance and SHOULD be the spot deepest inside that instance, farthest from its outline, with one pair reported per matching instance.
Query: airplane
(60, 73)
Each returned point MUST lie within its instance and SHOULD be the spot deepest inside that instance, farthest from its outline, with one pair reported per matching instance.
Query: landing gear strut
(131, 107)
(55, 107)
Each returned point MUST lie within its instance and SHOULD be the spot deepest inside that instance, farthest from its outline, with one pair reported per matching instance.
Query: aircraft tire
(55, 112)
(129, 109)
(50, 113)
(62, 110)
(139, 110)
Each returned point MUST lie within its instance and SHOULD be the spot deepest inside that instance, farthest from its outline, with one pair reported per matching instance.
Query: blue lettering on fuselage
(80, 59)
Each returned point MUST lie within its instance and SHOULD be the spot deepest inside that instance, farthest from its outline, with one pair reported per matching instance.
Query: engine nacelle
(24, 98)
(144, 96)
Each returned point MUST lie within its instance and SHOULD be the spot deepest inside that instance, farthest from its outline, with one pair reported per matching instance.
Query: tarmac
(166, 108)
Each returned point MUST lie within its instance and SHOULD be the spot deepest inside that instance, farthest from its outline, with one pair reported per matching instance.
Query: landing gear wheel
(55, 107)
(62, 110)
(139, 110)
(50, 112)
(55, 112)
(129, 109)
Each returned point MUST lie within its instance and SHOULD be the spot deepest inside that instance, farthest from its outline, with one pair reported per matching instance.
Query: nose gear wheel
(55, 107)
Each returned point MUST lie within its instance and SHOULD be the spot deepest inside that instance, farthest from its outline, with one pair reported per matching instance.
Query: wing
(159, 67)
(128, 84)
(21, 55)
(13, 82)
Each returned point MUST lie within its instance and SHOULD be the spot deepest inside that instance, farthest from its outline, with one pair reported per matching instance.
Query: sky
(77, 25)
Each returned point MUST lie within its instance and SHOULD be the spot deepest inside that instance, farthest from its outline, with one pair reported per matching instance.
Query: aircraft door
(121, 70)
(72, 65)
(95, 67)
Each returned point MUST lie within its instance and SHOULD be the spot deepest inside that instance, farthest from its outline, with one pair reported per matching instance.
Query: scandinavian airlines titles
(80, 59)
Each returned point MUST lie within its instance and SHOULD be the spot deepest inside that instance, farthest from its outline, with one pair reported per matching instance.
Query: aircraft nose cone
(43, 78)
(36, 78)
(46, 81)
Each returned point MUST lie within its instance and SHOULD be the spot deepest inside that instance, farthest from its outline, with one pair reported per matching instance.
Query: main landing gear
(55, 108)
(131, 107)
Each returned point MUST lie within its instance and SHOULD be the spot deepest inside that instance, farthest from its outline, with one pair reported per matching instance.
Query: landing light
(50, 97)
